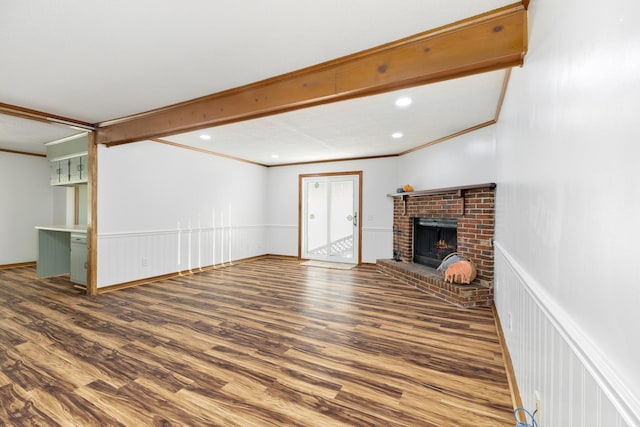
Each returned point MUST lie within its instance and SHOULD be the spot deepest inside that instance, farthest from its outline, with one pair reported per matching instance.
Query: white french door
(330, 218)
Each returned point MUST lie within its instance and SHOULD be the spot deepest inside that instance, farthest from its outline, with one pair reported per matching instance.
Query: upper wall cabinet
(69, 171)
(78, 168)
(69, 160)
(59, 171)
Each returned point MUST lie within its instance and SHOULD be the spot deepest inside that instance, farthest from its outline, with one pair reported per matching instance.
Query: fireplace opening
(433, 240)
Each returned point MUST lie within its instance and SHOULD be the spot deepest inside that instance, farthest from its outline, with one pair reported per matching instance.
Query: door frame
(301, 177)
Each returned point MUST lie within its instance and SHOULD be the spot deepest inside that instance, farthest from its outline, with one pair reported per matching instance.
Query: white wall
(150, 217)
(567, 213)
(70, 205)
(163, 209)
(468, 159)
(26, 200)
(379, 178)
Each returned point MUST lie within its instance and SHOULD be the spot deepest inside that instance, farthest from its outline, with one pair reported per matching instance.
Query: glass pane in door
(341, 224)
(317, 218)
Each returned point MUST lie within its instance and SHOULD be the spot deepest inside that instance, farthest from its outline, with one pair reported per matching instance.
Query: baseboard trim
(274, 256)
(17, 265)
(147, 280)
(516, 398)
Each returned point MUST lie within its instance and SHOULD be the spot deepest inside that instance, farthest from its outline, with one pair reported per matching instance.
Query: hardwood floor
(263, 343)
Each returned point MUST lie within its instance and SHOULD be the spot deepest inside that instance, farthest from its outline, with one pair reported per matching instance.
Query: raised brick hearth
(430, 281)
(473, 206)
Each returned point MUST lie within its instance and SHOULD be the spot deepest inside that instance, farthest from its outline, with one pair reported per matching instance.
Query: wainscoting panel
(553, 356)
(125, 257)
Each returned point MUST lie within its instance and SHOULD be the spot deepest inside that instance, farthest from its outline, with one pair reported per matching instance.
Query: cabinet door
(78, 169)
(78, 260)
(64, 171)
(59, 172)
(75, 169)
(55, 172)
(84, 168)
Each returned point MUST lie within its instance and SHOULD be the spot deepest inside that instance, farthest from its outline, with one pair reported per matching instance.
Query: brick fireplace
(473, 208)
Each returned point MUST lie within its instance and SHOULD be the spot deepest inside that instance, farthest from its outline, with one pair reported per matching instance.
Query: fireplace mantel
(444, 190)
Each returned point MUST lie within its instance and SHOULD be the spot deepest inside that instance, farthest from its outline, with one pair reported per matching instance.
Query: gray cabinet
(60, 172)
(69, 170)
(78, 169)
(62, 249)
(79, 258)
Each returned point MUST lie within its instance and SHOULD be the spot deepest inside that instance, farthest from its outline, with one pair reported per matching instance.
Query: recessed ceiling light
(403, 102)
(396, 135)
(275, 156)
(205, 136)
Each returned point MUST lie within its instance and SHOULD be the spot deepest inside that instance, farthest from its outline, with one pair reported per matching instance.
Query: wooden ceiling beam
(27, 113)
(487, 42)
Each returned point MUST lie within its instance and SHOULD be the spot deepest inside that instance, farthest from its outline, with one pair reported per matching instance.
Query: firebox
(433, 240)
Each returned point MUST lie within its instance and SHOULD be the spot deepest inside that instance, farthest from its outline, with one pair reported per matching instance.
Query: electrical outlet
(510, 322)
(536, 394)
(144, 261)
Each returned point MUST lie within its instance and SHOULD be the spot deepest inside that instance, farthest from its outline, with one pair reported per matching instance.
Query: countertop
(67, 228)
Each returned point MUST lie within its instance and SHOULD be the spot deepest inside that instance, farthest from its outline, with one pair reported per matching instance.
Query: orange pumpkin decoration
(407, 188)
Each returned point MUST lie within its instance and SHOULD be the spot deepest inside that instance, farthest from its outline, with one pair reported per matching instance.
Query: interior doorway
(329, 217)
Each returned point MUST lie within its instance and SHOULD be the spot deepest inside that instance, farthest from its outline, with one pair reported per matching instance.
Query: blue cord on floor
(524, 423)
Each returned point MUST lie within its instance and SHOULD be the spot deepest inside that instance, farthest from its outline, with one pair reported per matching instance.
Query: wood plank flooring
(263, 343)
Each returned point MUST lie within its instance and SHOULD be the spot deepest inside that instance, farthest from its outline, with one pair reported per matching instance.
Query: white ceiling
(359, 127)
(96, 61)
(30, 136)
